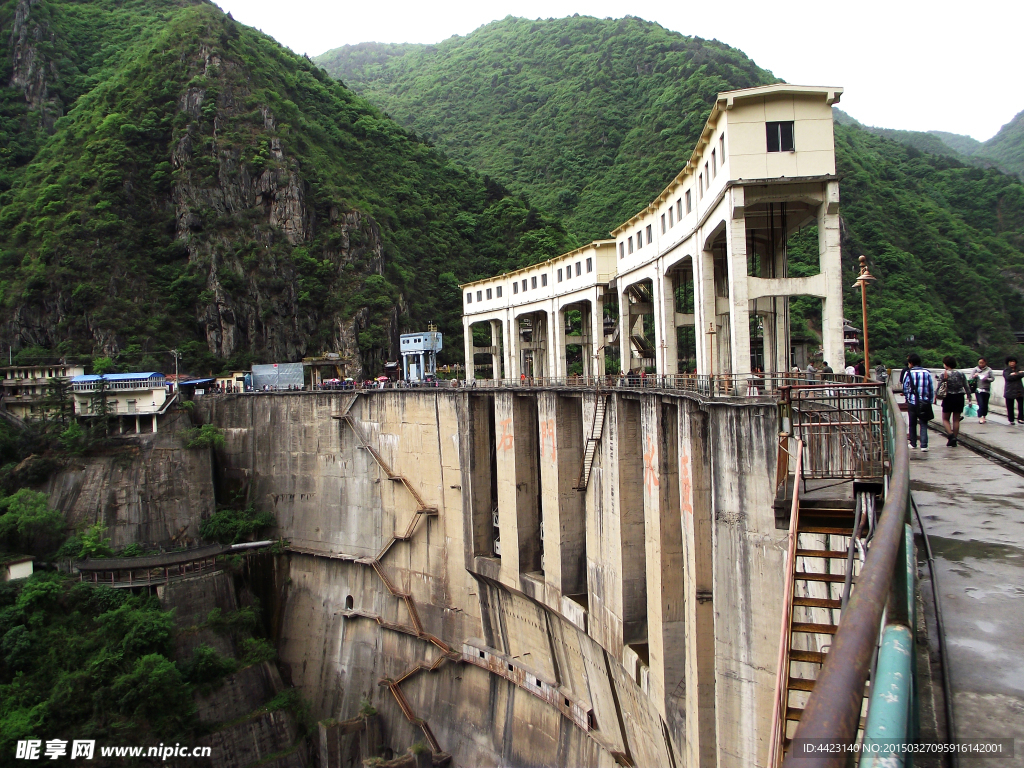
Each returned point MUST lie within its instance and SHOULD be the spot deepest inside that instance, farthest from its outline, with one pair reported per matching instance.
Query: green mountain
(1007, 147)
(1004, 151)
(592, 118)
(170, 178)
(583, 115)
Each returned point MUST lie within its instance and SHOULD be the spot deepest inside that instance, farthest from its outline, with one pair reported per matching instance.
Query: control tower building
(419, 353)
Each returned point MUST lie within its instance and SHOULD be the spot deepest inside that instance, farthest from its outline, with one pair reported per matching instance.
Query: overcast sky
(913, 65)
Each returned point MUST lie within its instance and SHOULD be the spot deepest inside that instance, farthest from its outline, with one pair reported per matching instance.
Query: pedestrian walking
(859, 370)
(981, 380)
(851, 370)
(811, 373)
(903, 374)
(919, 392)
(826, 372)
(956, 392)
(1013, 390)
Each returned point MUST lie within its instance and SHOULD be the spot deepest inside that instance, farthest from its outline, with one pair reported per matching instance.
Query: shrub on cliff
(232, 526)
(29, 524)
(206, 436)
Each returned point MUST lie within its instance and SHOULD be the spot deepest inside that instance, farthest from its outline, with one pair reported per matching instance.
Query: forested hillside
(170, 178)
(585, 116)
(591, 118)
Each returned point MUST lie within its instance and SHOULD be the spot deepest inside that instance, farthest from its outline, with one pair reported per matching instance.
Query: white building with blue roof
(126, 394)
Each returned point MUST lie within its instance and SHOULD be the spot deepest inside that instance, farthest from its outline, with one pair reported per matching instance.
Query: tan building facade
(28, 388)
(705, 263)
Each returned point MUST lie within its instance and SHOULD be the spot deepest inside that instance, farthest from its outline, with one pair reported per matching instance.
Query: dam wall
(443, 566)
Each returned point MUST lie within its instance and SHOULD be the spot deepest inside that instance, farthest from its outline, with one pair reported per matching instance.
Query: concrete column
(782, 340)
(630, 498)
(739, 305)
(558, 341)
(667, 311)
(496, 350)
(154, 423)
(512, 352)
(518, 471)
(597, 334)
(560, 420)
(467, 340)
(624, 347)
(138, 428)
(697, 514)
(508, 347)
(704, 310)
(831, 267)
(551, 336)
(664, 553)
(657, 309)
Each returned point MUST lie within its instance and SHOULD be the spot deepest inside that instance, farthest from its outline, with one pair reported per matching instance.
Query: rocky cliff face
(148, 489)
(30, 68)
(240, 213)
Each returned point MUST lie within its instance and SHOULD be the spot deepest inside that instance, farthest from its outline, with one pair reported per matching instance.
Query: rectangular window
(679, 208)
(714, 163)
(622, 250)
(630, 243)
(578, 271)
(590, 265)
(780, 136)
(650, 239)
(721, 147)
(488, 294)
(499, 291)
(515, 287)
(700, 185)
(479, 295)
(544, 279)
(533, 282)
(663, 223)
(689, 202)
(560, 271)
(671, 223)
(469, 297)
(707, 176)
(524, 284)
(639, 239)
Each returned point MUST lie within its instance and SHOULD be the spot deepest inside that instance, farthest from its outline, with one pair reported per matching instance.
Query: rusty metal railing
(833, 711)
(841, 426)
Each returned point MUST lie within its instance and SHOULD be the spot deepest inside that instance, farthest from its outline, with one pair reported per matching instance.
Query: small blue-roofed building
(120, 395)
(419, 353)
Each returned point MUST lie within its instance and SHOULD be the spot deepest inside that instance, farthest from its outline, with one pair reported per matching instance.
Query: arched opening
(349, 603)
(638, 312)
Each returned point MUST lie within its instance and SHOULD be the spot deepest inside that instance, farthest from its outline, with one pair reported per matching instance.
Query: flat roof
(595, 244)
(118, 377)
(726, 100)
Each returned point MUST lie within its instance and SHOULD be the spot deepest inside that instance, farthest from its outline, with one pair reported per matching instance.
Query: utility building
(700, 277)
(419, 353)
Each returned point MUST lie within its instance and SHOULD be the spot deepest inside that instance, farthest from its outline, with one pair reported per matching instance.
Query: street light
(862, 281)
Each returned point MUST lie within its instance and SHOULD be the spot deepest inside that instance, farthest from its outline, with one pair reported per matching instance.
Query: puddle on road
(956, 550)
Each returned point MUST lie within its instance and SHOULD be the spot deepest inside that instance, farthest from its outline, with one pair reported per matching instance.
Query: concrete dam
(444, 565)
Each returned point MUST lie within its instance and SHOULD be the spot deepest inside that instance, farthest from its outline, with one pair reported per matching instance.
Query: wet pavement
(973, 510)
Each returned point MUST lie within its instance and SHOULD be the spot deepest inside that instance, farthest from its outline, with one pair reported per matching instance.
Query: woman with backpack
(954, 390)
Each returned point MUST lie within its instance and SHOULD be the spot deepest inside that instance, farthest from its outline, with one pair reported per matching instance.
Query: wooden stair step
(801, 684)
(817, 602)
(810, 657)
(823, 553)
(814, 629)
(832, 531)
(811, 576)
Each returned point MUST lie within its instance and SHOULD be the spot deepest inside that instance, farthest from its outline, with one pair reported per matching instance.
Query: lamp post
(862, 280)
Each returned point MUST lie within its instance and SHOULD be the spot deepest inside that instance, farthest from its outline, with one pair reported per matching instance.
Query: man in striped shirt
(919, 392)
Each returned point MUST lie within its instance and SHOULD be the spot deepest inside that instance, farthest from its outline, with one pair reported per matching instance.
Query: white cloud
(906, 65)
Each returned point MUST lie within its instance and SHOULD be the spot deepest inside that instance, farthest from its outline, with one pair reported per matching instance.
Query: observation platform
(973, 510)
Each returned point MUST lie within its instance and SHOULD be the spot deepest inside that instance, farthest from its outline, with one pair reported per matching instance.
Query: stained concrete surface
(973, 510)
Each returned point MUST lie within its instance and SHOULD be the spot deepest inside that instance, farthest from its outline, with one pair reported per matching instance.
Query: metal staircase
(590, 449)
(822, 565)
